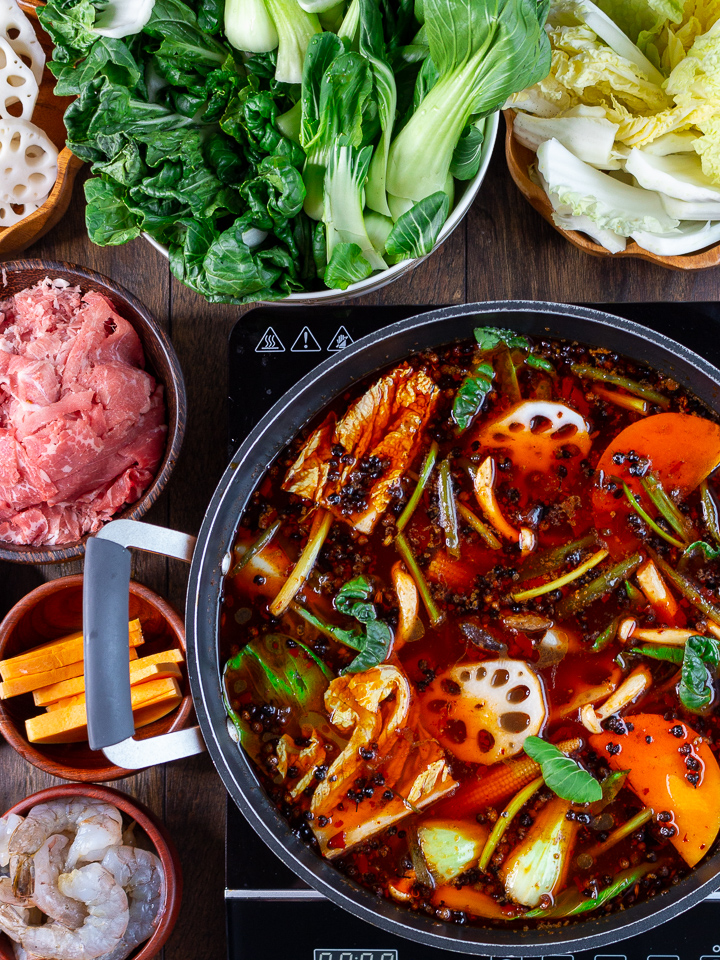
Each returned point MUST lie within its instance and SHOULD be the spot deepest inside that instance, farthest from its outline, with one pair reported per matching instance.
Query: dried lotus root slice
(18, 86)
(533, 431)
(17, 30)
(483, 712)
(12, 213)
(28, 163)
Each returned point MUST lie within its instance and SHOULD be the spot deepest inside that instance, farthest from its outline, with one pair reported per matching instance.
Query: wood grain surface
(503, 250)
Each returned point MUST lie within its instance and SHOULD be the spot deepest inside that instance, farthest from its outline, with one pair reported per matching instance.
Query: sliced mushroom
(533, 431)
(628, 691)
(485, 493)
(483, 712)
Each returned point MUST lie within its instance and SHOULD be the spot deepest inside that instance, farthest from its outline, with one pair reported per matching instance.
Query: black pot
(276, 429)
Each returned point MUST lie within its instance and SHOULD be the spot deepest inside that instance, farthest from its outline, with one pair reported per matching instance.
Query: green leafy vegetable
(347, 265)
(699, 669)
(415, 233)
(489, 338)
(539, 363)
(563, 775)
(700, 547)
(353, 600)
(671, 654)
(471, 395)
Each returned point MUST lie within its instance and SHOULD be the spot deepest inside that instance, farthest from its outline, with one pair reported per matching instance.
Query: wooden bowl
(54, 610)
(519, 159)
(48, 115)
(160, 360)
(160, 842)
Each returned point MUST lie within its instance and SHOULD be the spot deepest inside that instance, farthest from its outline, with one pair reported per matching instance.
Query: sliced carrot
(682, 450)
(659, 776)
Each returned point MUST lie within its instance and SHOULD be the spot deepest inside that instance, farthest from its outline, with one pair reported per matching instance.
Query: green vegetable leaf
(468, 152)
(346, 265)
(671, 654)
(353, 600)
(564, 776)
(539, 363)
(471, 395)
(109, 220)
(700, 663)
(415, 233)
(489, 338)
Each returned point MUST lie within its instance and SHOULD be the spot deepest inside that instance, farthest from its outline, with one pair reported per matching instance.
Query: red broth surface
(492, 552)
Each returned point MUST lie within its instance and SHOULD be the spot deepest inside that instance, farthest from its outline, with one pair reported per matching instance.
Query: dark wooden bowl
(48, 115)
(519, 159)
(160, 360)
(160, 841)
(54, 610)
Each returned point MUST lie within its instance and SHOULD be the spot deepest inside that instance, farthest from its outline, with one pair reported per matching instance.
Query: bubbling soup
(472, 630)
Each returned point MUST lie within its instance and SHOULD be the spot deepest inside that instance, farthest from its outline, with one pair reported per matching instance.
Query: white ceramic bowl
(465, 193)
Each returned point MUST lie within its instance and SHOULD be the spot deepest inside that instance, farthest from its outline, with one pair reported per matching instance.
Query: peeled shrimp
(49, 864)
(101, 932)
(97, 827)
(140, 875)
(8, 826)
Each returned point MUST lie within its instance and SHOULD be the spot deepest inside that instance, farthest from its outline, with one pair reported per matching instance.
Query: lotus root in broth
(471, 629)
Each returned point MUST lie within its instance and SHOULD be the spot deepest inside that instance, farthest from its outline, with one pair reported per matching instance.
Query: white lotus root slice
(18, 86)
(491, 707)
(18, 31)
(28, 163)
(533, 431)
(12, 213)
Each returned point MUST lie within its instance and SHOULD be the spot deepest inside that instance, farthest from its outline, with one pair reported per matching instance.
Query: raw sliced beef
(82, 423)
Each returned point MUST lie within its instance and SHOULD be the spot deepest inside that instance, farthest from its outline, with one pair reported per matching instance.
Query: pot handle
(106, 587)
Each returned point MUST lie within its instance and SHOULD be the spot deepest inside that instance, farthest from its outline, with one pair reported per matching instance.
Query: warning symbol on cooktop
(305, 343)
(270, 343)
(341, 340)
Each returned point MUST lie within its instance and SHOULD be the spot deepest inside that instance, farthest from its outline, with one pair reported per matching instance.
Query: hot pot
(107, 572)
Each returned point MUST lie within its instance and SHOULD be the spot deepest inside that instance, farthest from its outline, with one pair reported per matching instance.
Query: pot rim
(301, 403)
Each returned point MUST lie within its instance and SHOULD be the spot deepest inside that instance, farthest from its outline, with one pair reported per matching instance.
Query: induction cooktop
(271, 913)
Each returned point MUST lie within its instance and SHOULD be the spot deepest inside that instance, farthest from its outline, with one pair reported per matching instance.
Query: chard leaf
(700, 663)
(564, 776)
(490, 337)
(415, 233)
(471, 395)
(346, 265)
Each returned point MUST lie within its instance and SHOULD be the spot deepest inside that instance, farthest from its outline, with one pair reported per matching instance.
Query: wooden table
(502, 250)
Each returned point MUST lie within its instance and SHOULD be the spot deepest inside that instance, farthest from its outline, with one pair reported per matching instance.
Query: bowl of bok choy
(288, 149)
(619, 145)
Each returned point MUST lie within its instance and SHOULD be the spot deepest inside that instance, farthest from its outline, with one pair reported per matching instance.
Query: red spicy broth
(487, 563)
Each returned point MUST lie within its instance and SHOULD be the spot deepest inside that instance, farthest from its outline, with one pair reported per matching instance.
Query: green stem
(605, 638)
(586, 372)
(598, 588)
(257, 547)
(505, 819)
(575, 574)
(572, 902)
(302, 569)
(710, 511)
(403, 548)
(428, 464)
(479, 527)
(448, 513)
(633, 824)
(671, 654)
(632, 499)
(549, 560)
(666, 508)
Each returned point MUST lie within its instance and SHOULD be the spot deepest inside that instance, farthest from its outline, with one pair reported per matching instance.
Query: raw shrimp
(8, 895)
(101, 932)
(139, 873)
(8, 826)
(97, 827)
(49, 864)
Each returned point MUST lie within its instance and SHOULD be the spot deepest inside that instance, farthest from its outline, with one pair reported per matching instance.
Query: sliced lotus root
(28, 163)
(18, 86)
(533, 431)
(483, 712)
(18, 31)
(12, 213)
